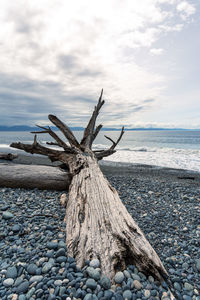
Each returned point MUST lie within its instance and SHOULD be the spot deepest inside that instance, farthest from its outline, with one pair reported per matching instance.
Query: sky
(57, 55)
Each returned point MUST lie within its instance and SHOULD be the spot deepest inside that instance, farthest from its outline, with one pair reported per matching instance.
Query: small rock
(36, 278)
(95, 263)
(58, 282)
(119, 277)
(7, 215)
(105, 282)
(127, 295)
(88, 297)
(8, 282)
(11, 272)
(147, 293)
(177, 286)
(52, 245)
(61, 252)
(47, 267)
(137, 284)
(198, 264)
(188, 286)
(94, 273)
(91, 283)
(32, 269)
(23, 287)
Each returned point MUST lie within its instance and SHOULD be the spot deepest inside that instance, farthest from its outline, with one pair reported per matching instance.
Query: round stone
(47, 267)
(188, 286)
(7, 215)
(36, 278)
(105, 282)
(119, 277)
(93, 273)
(8, 282)
(137, 284)
(90, 297)
(147, 293)
(58, 282)
(91, 284)
(16, 228)
(32, 269)
(23, 287)
(11, 272)
(95, 263)
(61, 259)
(61, 252)
(52, 245)
(177, 286)
(198, 264)
(127, 295)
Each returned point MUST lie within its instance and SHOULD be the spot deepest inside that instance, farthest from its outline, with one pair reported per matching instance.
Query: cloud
(59, 56)
(186, 9)
(156, 51)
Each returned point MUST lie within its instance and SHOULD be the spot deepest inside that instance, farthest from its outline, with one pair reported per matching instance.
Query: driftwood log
(98, 224)
(8, 156)
(33, 176)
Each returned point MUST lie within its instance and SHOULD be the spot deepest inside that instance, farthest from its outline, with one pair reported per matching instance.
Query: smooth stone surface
(11, 272)
(32, 269)
(137, 284)
(127, 295)
(93, 273)
(23, 287)
(91, 283)
(8, 282)
(119, 277)
(105, 282)
(7, 215)
(95, 263)
(36, 278)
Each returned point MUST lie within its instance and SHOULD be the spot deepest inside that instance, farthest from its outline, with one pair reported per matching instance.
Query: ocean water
(173, 149)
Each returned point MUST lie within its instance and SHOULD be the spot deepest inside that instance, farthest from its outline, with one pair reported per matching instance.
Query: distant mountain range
(29, 128)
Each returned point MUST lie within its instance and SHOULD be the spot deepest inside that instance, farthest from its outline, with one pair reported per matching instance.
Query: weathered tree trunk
(33, 176)
(99, 226)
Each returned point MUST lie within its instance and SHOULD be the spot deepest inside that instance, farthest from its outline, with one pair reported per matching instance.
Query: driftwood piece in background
(33, 176)
(8, 156)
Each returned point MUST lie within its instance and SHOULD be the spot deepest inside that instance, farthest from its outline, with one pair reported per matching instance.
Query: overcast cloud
(55, 57)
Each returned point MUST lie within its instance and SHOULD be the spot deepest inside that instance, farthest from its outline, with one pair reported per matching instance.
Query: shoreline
(121, 169)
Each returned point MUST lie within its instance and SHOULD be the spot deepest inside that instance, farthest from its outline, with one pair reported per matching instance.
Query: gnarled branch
(65, 130)
(56, 138)
(101, 154)
(38, 149)
(89, 133)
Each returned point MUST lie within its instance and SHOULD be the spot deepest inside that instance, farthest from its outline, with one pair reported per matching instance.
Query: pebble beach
(33, 256)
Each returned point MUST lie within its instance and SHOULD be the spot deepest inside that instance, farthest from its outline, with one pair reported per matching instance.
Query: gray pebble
(23, 287)
(8, 282)
(36, 278)
(127, 295)
(11, 272)
(32, 269)
(7, 215)
(105, 282)
(91, 283)
(119, 277)
(95, 263)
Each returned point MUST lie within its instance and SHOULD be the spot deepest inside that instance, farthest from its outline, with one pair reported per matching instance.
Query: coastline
(121, 169)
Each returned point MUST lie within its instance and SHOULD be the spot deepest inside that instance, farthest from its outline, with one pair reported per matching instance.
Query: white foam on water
(163, 157)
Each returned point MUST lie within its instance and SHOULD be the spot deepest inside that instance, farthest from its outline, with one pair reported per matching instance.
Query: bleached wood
(99, 226)
(33, 176)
